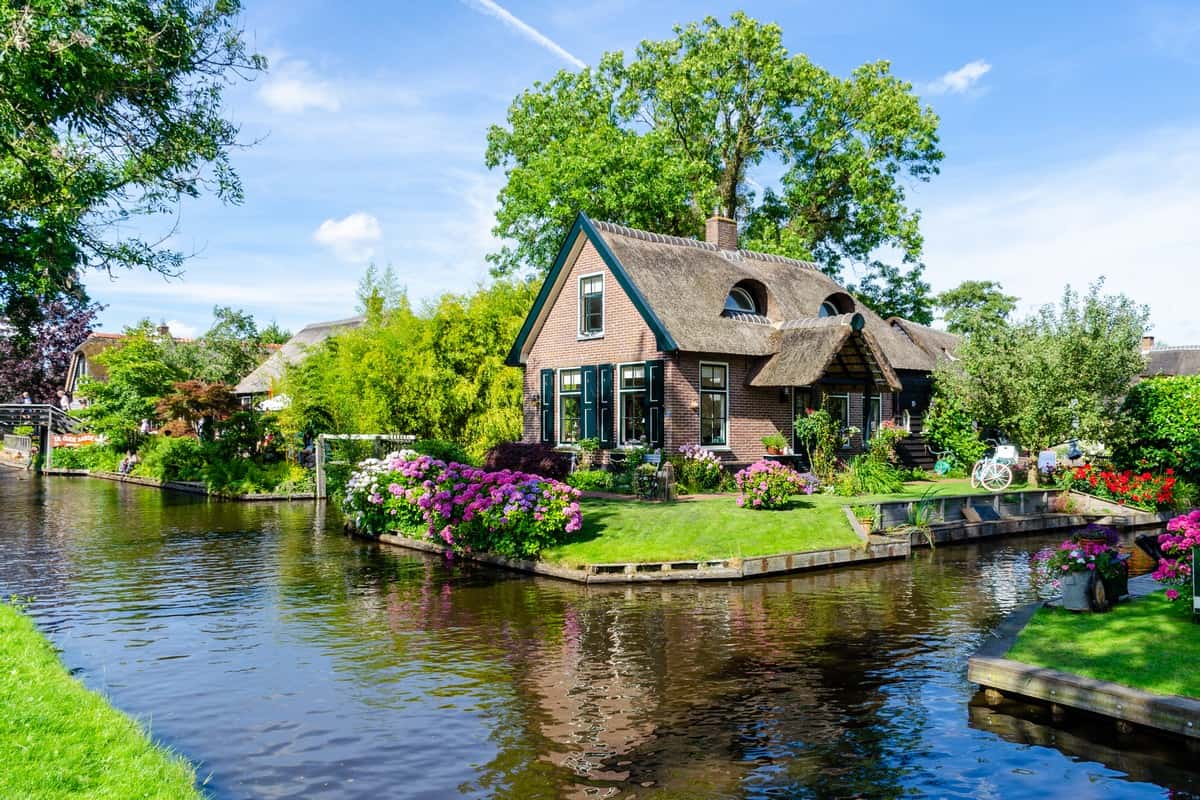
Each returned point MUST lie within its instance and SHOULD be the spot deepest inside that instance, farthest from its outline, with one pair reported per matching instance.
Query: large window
(591, 305)
(633, 403)
(714, 404)
(570, 405)
(838, 406)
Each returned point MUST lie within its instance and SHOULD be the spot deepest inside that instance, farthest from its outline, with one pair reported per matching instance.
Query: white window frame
(558, 402)
(700, 410)
(906, 420)
(603, 306)
(846, 419)
(876, 420)
(620, 416)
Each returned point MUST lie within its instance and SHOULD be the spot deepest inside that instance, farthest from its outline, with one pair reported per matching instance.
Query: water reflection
(289, 660)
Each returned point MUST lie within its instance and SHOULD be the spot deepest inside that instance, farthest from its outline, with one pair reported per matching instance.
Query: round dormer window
(741, 301)
(828, 309)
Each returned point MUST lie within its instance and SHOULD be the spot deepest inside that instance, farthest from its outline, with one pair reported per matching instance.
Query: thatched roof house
(725, 344)
(263, 379)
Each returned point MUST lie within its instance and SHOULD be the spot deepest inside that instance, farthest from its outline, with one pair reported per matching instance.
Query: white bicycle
(994, 472)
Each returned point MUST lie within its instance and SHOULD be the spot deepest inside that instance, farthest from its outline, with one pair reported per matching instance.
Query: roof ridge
(1168, 347)
(683, 241)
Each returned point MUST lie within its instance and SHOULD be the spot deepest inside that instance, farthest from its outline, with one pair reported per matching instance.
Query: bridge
(46, 420)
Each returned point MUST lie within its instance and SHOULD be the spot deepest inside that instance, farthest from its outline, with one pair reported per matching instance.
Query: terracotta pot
(1074, 587)
(773, 451)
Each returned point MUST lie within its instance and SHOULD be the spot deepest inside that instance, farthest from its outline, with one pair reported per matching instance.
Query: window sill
(587, 337)
(717, 448)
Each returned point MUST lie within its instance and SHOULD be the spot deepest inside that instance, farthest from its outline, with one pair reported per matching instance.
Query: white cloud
(494, 9)
(960, 80)
(290, 88)
(182, 329)
(1128, 215)
(352, 238)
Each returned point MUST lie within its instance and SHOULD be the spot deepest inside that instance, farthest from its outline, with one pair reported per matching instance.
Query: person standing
(26, 400)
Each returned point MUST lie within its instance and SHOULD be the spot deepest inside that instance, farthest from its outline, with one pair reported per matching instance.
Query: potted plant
(775, 443)
(1082, 571)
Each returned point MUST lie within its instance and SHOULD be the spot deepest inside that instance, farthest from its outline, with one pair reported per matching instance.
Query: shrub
(866, 475)
(443, 450)
(1162, 426)
(98, 457)
(1183, 534)
(882, 447)
(820, 436)
(167, 458)
(949, 426)
(769, 485)
(591, 480)
(1075, 556)
(698, 469)
(465, 508)
(530, 457)
(774, 441)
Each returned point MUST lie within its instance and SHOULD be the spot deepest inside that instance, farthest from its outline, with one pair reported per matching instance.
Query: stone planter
(1075, 591)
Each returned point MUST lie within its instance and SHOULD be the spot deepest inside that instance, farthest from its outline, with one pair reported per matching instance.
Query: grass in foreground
(708, 528)
(61, 740)
(1149, 644)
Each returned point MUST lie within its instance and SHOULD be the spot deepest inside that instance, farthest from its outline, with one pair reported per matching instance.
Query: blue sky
(1071, 133)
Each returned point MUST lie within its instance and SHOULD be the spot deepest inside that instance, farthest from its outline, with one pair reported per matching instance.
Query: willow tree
(684, 127)
(109, 109)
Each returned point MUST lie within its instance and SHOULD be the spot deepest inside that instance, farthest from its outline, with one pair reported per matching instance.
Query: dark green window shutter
(605, 407)
(654, 403)
(547, 405)
(587, 421)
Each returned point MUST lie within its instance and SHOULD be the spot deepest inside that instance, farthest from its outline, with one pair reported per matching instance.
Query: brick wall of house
(626, 338)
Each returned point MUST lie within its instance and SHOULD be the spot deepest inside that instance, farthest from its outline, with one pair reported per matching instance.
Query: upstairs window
(591, 305)
(828, 309)
(740, 301)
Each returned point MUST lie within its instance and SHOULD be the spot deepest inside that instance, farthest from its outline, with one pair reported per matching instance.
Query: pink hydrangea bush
(461, 507)
(1183, 534)
(770, 485)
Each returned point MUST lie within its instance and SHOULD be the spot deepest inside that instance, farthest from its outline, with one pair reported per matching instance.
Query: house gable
(582, 232)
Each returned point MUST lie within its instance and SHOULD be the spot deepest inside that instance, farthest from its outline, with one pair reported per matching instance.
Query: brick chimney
(721, 231)
(1147, 344)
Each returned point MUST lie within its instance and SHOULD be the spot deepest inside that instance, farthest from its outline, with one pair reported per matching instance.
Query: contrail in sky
(531, 33)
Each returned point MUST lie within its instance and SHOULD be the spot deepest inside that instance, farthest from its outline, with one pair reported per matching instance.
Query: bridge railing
(20, 444)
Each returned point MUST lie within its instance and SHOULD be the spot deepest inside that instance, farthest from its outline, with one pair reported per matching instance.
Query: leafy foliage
(660, 140)
(975, 307)
(1162, 426)
(867, 475)
(229, 350)
(1056, 375)
(437, 374)
(37, 359)
(442, 450)
(198, 404)
(769, 485)
(949, 425)
(820, 435)
(531, 457)
(108, 109)
(591, 480)
(171, 458)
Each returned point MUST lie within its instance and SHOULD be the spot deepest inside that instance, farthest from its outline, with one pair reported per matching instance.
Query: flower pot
(1074, 587)
(773, 451)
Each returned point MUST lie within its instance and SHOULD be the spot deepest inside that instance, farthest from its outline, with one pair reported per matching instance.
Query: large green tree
(975, 306)
(109, 109)
(1059, 374)
(679, 130)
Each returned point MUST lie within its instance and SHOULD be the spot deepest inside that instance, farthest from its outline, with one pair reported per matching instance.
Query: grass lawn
(711, 528)
(708, 528)
(61, 740)
(1149, 644)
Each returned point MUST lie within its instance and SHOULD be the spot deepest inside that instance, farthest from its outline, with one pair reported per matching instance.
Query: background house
(639, 337)
(1166, 361)
(261, 382)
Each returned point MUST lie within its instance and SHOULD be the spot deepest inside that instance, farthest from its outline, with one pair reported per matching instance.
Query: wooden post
(320, 466)
(48, 461)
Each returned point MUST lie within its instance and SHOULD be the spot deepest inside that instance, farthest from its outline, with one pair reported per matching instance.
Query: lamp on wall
(694, 405)
(785, 393)
(535, 398)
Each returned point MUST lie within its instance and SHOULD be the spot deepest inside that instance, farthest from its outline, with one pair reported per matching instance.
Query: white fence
(21, 444)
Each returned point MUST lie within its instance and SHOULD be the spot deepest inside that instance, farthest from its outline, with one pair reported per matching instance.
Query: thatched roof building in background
(264, 378)
(1167, 361)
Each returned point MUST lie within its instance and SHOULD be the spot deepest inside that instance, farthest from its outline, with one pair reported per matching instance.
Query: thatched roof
(293, 351)
(934, 345)
(686, 282)
(1172, 361)
(810, 349)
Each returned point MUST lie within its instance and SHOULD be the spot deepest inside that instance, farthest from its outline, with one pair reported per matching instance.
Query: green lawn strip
(1149, 644)
(616, 531)
(61, 740)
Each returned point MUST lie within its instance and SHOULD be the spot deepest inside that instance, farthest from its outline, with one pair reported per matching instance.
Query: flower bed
(1142, 490)
(770, 485)
(1183, 534)
(465, 508)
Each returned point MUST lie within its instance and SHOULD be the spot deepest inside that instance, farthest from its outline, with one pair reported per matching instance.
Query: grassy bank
(60, 740)
(1148, 644)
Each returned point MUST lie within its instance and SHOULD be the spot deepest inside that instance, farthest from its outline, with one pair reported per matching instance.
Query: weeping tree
(683, 127)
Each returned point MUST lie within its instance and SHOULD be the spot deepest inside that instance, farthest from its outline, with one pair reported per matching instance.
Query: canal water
(287, 660)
